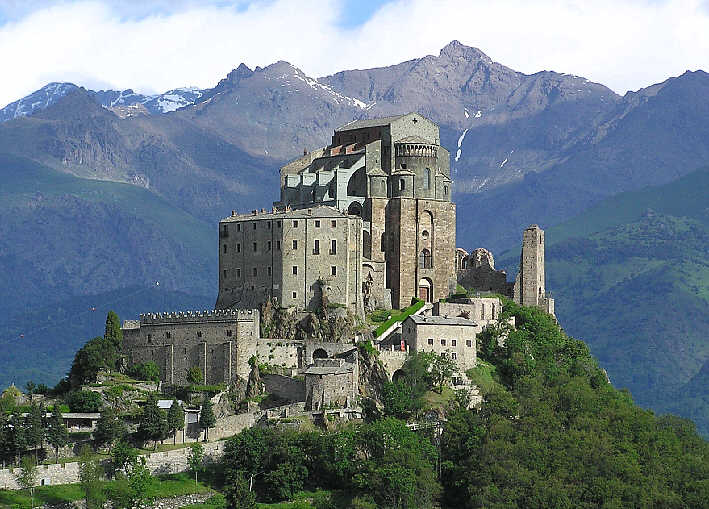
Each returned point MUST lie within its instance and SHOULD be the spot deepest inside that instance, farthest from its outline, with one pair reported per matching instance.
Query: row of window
(168, 335)
(316, 246)
(333, 224)
(454, 342)
(269, 271)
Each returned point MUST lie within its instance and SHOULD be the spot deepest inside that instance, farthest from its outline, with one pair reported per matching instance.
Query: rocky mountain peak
(241, 72)
(457, 50)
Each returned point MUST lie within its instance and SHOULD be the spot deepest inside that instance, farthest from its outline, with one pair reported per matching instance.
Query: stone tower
(393, 173)
(529, 288)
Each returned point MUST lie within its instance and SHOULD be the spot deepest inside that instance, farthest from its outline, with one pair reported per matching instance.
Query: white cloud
(623, 44)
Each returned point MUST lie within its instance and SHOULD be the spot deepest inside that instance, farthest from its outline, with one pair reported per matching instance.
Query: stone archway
(425, 289)
(320, 353)
(355, 209)
(397, 375)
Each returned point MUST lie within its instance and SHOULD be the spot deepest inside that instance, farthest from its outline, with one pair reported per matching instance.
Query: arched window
(427, 178)
(402, 184)
(425, 261)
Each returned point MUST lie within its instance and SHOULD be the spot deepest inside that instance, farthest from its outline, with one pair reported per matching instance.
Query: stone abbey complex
(365, 223)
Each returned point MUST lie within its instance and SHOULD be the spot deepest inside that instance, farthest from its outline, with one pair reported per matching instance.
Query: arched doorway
(355, 209)
(425, 289)
(320, 353)
(398, 375)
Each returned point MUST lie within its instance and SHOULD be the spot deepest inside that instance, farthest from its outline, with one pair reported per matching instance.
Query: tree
(401, 399)
(195, 458)
(113, 332)
(139, 481)
(122, 457)
(175, 419)
(90, 474)
(84, 401)
(238, 492)
(442, 369)
(153, 421)
(17, 436)
(34, 428)
(27, 475)
(206, 417)
(57, 434)
(194, 375)
(91, 358)
(31, 387)
(109, 428)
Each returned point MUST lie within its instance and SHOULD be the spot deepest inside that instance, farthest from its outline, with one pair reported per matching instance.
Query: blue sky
(156, 45)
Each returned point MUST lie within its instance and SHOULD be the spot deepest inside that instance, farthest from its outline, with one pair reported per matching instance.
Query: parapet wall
(216, 315)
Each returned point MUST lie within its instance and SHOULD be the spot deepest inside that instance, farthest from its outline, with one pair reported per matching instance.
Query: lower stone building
(332, 383)
(218, 342)
(453, 337)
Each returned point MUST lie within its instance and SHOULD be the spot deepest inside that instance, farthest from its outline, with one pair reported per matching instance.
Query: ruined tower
(529, 288)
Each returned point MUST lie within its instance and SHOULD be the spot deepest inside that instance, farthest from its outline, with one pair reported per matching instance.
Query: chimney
(233, 213)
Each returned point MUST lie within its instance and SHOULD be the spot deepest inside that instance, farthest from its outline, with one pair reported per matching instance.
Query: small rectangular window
(333, 223)
(238, 248)
(317, 223)
(278, 223)
(238, 227)
(255, 247)
(454, 342)
(295, 270)
(333, 247)
(454, 355)
(333, 270)
(443, 342)
(278, 245)
(295, 295)
(228, 333)
(238, 273)
(150, 338)
(168, 335)
(225, 248)
(295, 224)
(254, 225)
(199, 333)
(255, 271)
(468, 342)
(269, 224)
(430, 341)
(269, 271)
(295, 244)
(268, 246)
(316, 247)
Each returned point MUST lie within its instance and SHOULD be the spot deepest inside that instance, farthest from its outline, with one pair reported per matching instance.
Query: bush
(145, 371)
(84, 401)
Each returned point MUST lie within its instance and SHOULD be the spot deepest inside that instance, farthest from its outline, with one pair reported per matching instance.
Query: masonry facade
(389, 181)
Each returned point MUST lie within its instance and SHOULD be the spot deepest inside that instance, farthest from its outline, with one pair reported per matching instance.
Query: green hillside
(631, 278)
(69, 244)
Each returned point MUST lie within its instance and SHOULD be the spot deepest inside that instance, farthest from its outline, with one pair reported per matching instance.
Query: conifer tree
(206, 417)
(113, 332)
(34, 428)
(57, 434)
(175, 419)
(153, 421)
(109, 428)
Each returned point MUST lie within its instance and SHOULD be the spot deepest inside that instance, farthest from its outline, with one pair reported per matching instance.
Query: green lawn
(398, 316)
(484, 376)
(167, 486)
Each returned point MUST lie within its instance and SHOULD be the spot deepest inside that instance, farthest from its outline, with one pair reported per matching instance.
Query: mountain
(631, 278)
(540, 148)
(115, 100)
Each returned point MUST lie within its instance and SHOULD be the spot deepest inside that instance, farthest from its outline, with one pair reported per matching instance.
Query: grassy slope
(631, 278)
(68, 245)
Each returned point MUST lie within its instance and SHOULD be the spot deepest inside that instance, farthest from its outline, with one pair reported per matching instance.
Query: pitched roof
(441, 320)
(372, 122)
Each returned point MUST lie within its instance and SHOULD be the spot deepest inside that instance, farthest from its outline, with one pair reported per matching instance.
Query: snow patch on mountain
(36, 101)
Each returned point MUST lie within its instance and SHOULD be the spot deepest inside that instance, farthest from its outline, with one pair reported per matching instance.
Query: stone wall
(68, 473)
(218, 342)
(472, 308)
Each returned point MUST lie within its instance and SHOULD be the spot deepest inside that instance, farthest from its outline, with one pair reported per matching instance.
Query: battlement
(214, 315)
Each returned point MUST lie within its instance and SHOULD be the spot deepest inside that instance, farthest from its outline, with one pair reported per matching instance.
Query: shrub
(84, 401)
